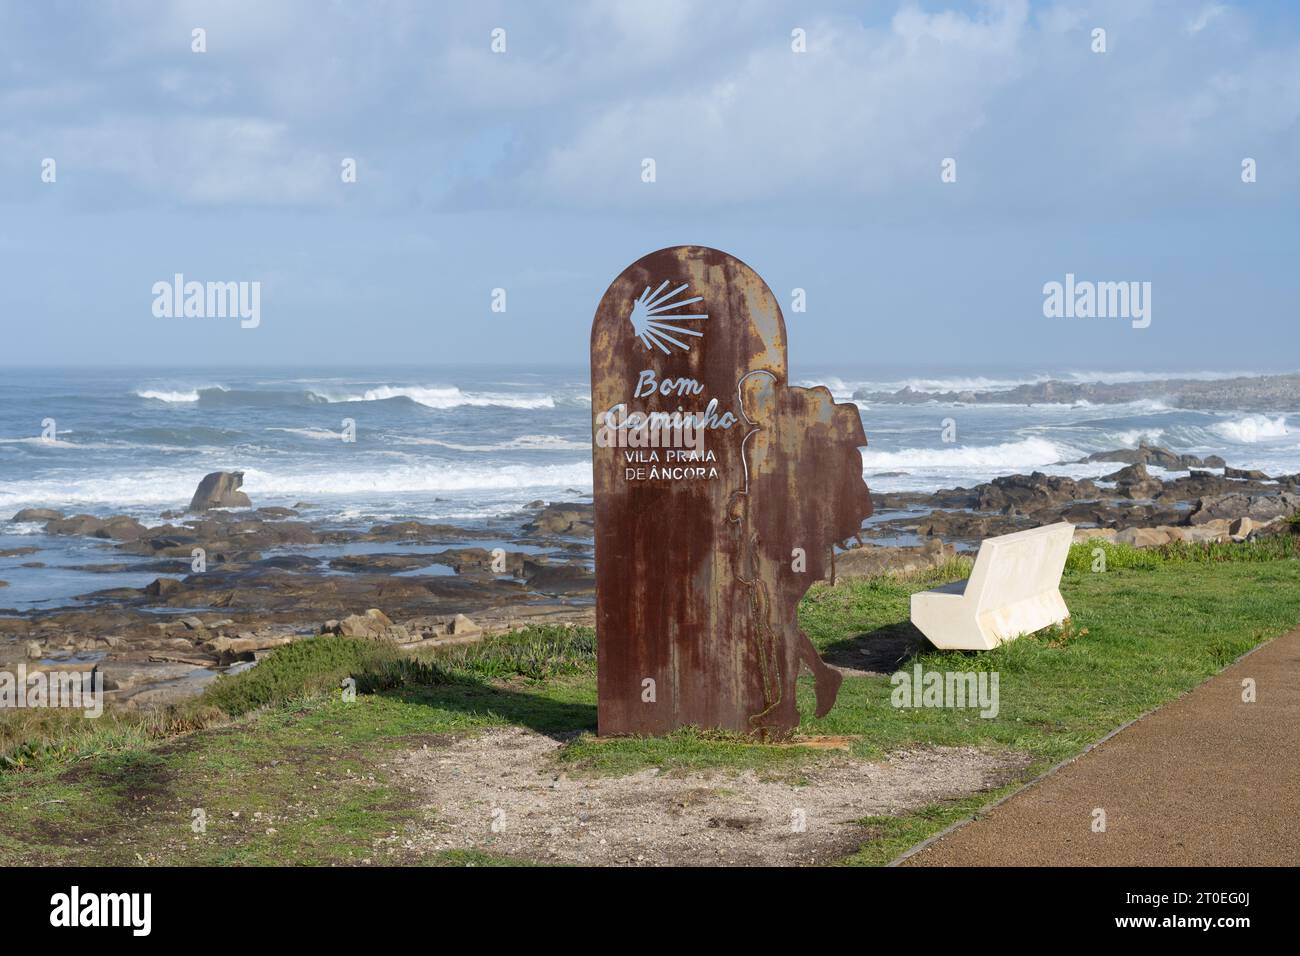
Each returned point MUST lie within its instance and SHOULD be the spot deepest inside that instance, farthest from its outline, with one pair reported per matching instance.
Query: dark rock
(1128, 473)
(1030, 493)
(462, 626)
(1134, 481)
(422, 533)
(291, 562)
(964, 524)
(943, 498)
(873, 560)
(562, 579)
(374, 623)
(384, 563)
(1251, 474)
(162, 587)
(224, 536)
(471, 560)
(121, 528)
(1096, 514)
(574, 520)
(118, 527)
(1148, 455)
(1260, 508)
(78, 525)
(220, 490)
(1204, 484)
(37, 514)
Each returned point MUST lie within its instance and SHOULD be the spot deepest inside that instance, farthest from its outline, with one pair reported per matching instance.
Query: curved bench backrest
(1013, 567)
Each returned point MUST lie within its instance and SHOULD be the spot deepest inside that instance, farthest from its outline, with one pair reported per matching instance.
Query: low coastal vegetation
(1084, 556)
(299, 772)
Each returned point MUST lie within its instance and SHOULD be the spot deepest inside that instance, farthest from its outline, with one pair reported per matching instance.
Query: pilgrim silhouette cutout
(792, 428)
(703, 553)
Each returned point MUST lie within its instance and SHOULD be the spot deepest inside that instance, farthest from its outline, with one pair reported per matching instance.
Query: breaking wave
(173, 488)
(1028, 453)
(444, 396)
(1251, 429)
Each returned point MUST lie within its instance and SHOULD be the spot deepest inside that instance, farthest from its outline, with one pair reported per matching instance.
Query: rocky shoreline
(264, 581)
(1198, 506)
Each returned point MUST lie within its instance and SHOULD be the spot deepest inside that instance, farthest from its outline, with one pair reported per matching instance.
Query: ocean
(470, 445)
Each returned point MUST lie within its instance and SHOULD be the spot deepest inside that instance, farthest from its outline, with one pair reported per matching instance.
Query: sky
(523, 170)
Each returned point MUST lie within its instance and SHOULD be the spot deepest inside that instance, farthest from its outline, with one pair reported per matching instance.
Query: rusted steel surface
(703, 552)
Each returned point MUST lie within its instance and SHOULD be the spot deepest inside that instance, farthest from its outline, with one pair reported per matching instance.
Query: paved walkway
(1206, 780)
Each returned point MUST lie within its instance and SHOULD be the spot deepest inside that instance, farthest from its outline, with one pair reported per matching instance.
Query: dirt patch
(504, 792)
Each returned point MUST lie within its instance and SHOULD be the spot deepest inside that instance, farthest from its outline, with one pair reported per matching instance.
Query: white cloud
(1031, 113)
(216, 160)
(862, 111)
(587, 90)
(1202, 19)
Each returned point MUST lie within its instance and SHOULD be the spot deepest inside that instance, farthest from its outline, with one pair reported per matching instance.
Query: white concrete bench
(1014, 589)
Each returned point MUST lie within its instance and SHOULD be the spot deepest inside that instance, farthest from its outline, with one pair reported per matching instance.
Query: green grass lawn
(290, 772)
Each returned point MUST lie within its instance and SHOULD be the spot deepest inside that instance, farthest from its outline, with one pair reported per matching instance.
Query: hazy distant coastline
(1223, 394)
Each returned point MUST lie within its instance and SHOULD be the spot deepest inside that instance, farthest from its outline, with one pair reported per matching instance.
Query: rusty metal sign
(720, 491)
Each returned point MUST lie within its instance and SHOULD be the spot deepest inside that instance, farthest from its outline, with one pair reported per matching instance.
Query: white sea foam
(442, 396)
(522, 443)
(25, 527)
(506, 423)
(1131, 438)
(161, 395)
(425, 476)
(172, 488)
(1251, 429)
(38, 440)
(1027, 453)
(840, 390)
(179, 395)
(321, 434)
(960, 383)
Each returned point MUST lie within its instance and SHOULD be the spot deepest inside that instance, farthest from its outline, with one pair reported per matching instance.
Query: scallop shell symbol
(654, 323)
